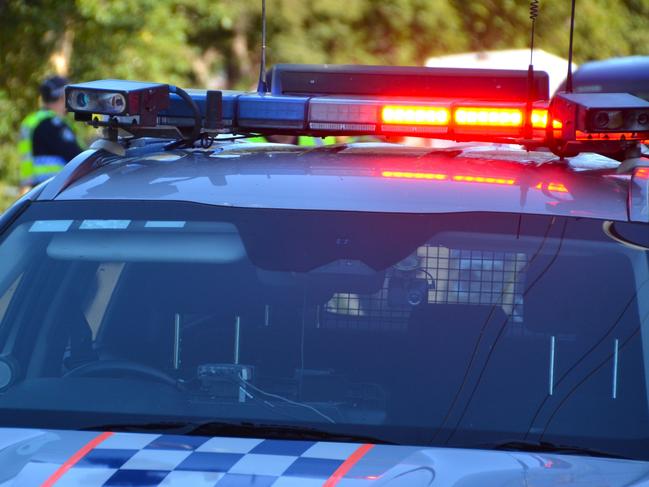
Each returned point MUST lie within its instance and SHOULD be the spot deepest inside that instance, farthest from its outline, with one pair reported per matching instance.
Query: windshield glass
(455, 329)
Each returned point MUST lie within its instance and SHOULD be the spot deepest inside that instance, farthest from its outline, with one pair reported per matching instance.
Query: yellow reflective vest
(35, 169)
(303, 140)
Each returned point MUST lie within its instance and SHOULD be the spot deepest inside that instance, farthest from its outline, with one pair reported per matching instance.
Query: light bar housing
(118, 98)
(406, 82)
(321, 100)
(345, 115)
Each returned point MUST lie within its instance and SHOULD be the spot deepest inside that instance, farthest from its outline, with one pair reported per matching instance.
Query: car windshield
(465, 329)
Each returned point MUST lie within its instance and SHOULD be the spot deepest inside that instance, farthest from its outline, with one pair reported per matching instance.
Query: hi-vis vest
(34, 170)
(303, 140)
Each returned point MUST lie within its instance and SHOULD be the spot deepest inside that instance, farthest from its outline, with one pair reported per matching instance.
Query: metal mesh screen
(455, 276)
(365, 312)
(476, 277)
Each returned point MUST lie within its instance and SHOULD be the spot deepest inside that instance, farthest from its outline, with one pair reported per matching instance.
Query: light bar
(453, 104)
(268, 113)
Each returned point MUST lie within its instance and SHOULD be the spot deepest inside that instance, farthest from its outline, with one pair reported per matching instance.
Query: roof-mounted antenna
(262, 87)
(534, 13)
(572, 30)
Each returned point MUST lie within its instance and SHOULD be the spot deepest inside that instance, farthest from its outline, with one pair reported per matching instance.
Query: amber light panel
(642, 173)
(539, 119)
(415, 115)
(489, 117)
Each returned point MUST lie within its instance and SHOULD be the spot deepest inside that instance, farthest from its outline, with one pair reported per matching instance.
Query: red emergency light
(488, 117)
(475, 118)
(415, 115)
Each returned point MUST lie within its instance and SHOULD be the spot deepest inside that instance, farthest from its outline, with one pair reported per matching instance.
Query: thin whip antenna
(261, 86)
(572, 30)
(534, 13)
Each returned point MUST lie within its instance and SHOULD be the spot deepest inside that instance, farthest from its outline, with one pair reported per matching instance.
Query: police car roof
(357, 177)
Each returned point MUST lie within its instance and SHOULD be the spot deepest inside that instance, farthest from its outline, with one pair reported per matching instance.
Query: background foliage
(212, 43)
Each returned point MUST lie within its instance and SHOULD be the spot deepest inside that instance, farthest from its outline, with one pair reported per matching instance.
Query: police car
(181, 307)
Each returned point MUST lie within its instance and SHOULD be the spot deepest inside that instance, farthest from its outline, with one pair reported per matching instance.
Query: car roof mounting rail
(82, 164)
(628, 166)
(638, 200)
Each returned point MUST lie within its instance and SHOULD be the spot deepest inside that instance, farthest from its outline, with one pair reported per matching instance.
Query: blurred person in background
(47, 142)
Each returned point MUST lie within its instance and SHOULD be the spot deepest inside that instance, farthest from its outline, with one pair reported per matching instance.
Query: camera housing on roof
(137, 99)
(584, 114)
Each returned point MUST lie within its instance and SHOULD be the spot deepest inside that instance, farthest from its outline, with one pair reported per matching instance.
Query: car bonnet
(84, 458)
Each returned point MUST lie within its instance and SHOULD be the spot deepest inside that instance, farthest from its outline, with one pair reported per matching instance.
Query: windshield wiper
(548, 447)
(243, 429)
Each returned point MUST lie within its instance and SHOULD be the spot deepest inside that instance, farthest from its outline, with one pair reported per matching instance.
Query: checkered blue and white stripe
(174, 461)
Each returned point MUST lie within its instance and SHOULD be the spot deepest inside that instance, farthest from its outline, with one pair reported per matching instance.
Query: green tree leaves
(216, 44)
